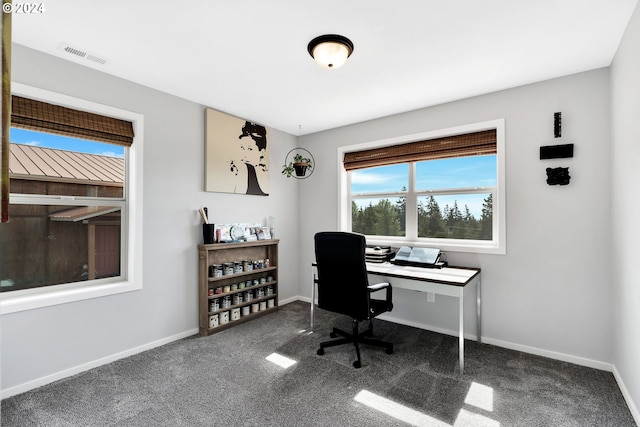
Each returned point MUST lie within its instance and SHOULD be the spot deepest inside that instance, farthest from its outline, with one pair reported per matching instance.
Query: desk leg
(461, 332)
(478, 306)
(313, 297)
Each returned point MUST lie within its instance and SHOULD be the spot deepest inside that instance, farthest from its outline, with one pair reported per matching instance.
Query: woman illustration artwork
(253, 143)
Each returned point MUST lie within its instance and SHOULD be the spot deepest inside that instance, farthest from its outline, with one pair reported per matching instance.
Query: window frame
(131, 217)
(496, 246)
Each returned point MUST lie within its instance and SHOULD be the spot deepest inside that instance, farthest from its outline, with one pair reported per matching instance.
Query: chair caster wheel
(320, 351)
(356, 364)
(333, 335)
(389, 350)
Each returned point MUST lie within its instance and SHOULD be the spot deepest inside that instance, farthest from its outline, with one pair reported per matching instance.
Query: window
(443, 189)
(75, 205)
(67, 199)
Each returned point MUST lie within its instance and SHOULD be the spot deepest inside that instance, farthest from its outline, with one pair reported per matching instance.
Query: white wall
(625, 123)
(551, 293)
(45, 344)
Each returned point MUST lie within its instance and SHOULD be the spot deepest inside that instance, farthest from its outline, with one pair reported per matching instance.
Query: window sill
(30, 299)
(444, 246)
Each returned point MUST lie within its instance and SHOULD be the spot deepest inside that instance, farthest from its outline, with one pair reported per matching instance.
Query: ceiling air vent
(74, 51)
(81, 53)
(96, 59)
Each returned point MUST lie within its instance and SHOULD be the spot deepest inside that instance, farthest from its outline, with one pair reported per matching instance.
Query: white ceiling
(249, 57)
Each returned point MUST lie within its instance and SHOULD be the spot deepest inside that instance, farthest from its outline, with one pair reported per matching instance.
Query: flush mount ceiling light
(330, 50)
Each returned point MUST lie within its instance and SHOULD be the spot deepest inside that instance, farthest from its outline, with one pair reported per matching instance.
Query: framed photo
(236, 155)
(264, 233)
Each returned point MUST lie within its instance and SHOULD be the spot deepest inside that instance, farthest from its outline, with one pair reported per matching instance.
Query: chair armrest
(378, 286)
(381, 286)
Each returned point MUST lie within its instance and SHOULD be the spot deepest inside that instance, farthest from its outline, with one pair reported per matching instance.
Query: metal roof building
(48, 164)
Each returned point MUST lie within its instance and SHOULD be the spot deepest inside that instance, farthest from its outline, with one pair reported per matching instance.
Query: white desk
(450, 281)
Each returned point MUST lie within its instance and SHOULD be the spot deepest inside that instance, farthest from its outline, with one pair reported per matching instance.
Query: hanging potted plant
(299, 166)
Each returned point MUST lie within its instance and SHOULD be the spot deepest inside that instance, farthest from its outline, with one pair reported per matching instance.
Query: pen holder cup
(208, 233)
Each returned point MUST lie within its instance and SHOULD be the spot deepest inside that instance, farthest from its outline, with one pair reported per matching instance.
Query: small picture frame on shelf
(264, 233)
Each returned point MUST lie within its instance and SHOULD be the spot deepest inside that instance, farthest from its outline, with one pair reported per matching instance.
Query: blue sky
(478, 171)
(461, 172)
(47, 140)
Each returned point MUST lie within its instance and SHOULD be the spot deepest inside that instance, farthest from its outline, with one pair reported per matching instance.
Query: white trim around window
(29, 299)
(496, 246)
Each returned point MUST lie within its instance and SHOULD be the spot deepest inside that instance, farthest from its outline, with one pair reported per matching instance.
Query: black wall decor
(558, 176)
(557, 125)
(556, 151)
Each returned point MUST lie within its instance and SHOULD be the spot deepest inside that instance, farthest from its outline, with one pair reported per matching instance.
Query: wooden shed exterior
(54, 244)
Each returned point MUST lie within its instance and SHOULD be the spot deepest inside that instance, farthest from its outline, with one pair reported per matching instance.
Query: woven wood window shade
(470, 144)
(41, 116)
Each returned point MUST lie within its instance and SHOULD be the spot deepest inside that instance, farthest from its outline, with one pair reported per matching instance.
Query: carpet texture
(226, 380)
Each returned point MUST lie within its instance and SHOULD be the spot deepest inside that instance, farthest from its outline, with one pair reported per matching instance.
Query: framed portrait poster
(236, 155)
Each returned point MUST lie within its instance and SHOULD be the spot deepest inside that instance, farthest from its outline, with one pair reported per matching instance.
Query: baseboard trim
(305, 299)
(292, 299)
(423, 326)
(576, 360)
(39, 382)
(635, 413)
(512, 346)
(505, 344)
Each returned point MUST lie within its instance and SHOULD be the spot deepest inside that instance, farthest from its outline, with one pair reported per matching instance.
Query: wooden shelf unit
(221, 253)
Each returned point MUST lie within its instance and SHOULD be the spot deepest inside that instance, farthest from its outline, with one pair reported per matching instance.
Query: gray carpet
(225, 380)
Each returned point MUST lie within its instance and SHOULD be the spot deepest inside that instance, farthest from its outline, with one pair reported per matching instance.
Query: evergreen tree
(387, 221)
(467, 214)
(355, 216)
(401, 206)
(381, 219)
(472, 230)
(368, 220)
(486, 220)
(455, 228)
(430, 221)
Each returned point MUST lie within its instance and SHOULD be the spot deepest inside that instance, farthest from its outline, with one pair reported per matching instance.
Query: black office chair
(343, 287)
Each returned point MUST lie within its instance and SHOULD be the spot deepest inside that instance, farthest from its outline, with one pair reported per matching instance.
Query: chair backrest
(342, 273)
